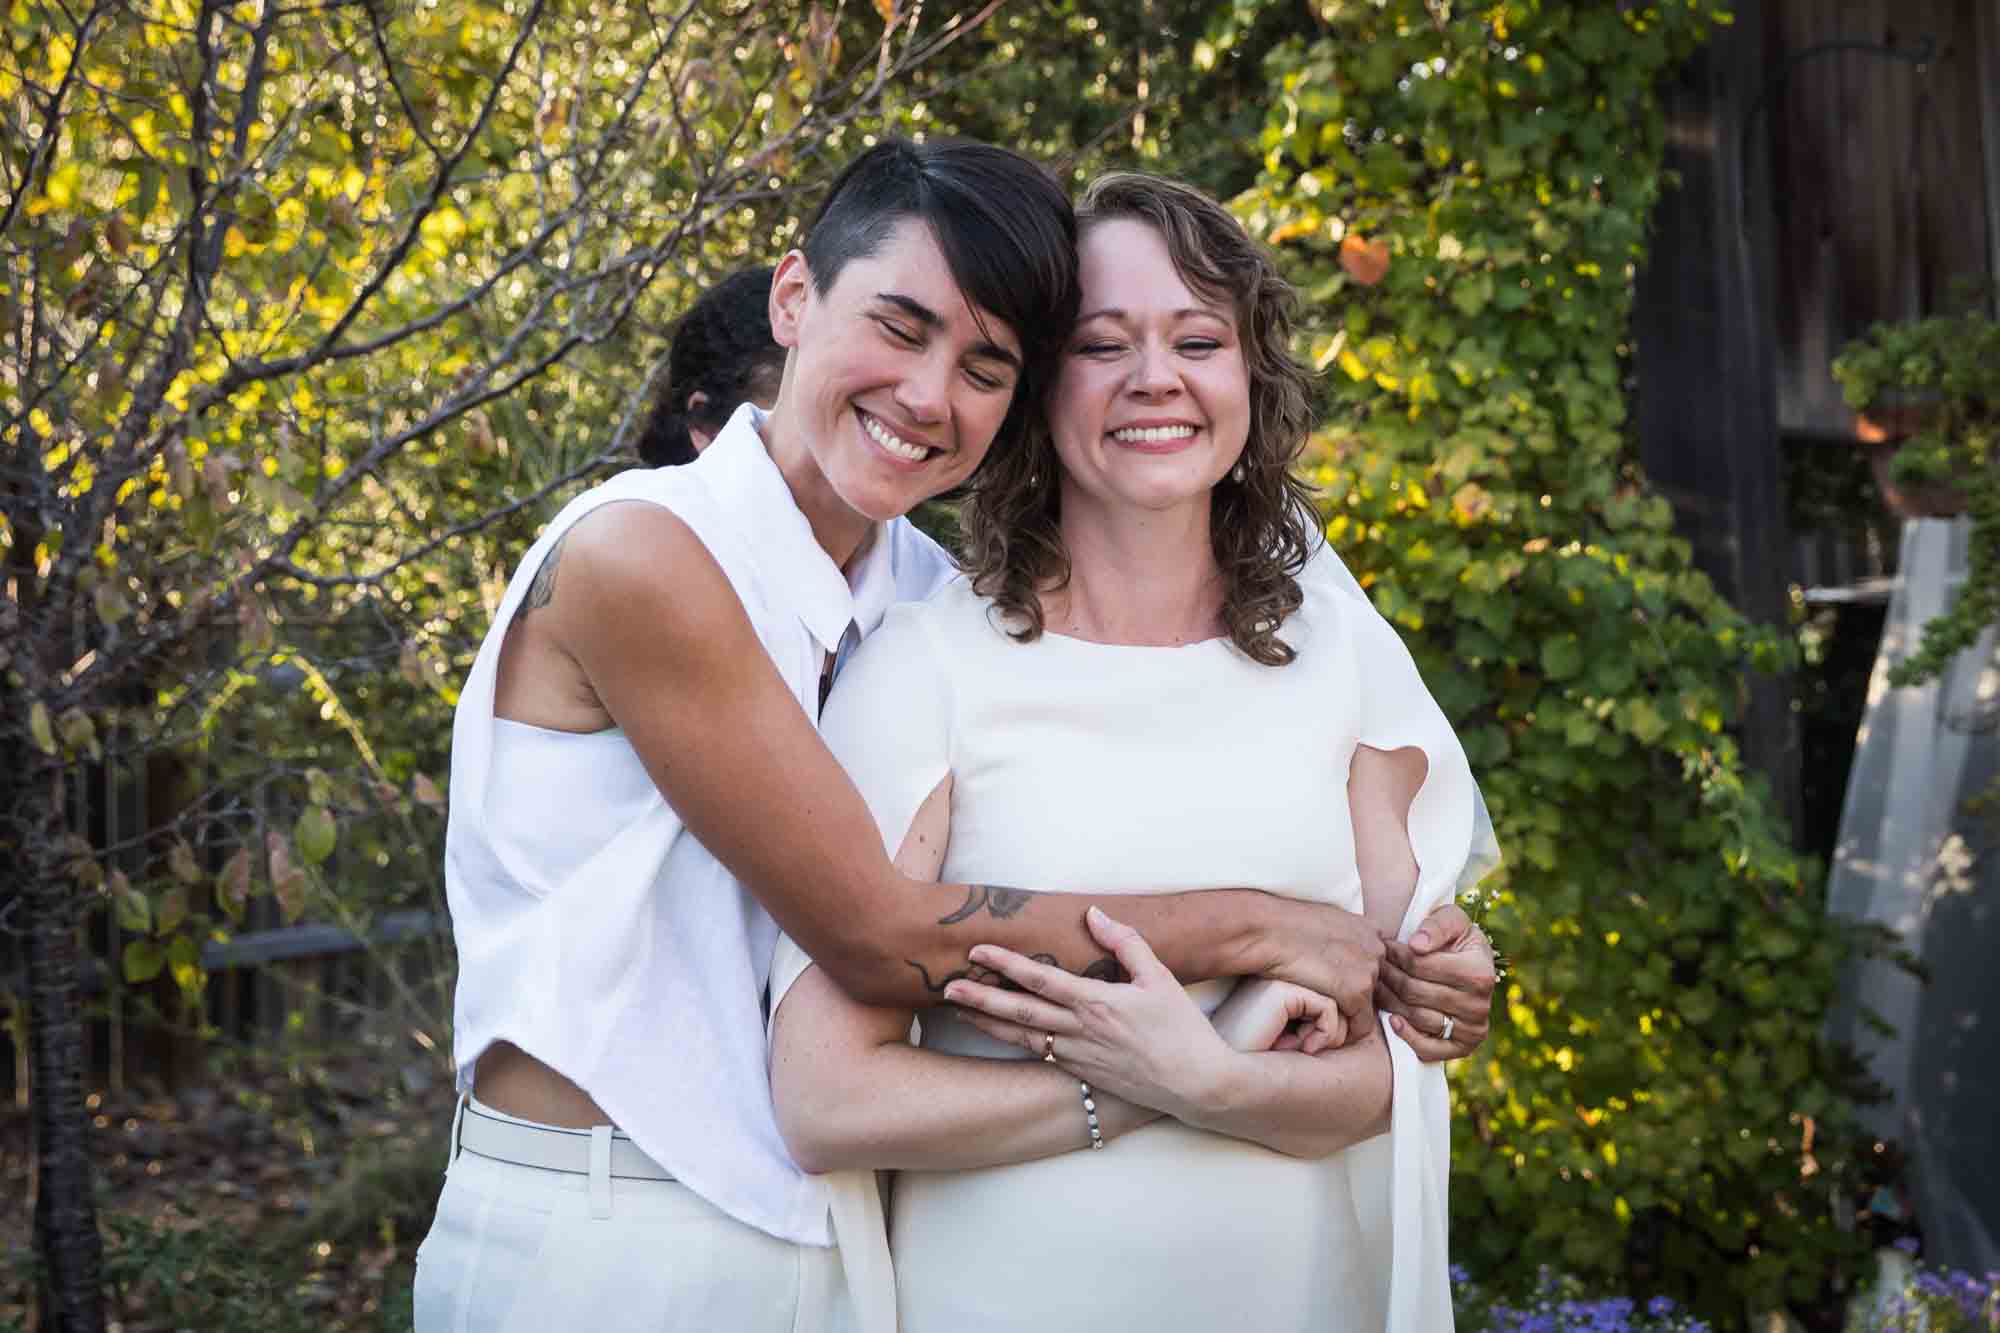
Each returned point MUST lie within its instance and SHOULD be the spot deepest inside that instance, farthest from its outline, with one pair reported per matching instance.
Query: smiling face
(894, 387)
(1151, 405)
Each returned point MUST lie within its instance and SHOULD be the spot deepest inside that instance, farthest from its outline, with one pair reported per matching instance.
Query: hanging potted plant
(1927, 399)
(1926, 395)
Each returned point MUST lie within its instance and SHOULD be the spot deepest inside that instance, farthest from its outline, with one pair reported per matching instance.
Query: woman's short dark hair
(1262, 527)
(1003, 224)
(722, 349)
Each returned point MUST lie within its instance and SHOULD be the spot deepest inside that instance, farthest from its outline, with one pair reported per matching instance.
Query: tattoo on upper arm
(542, 588)
(996, 901)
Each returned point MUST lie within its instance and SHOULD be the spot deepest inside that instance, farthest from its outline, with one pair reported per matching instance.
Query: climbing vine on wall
(1463, 193)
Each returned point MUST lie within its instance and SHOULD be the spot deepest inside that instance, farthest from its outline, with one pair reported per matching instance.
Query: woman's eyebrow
(931, 319)
(1120, 313)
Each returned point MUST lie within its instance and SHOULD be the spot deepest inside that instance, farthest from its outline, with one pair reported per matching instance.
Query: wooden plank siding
(1822, 188)
(1883, 179)
(1988, 24)
(1703, 337)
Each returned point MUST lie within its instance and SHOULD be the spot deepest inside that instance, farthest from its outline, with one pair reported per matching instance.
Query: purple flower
(1459, 1274)
(1660, 1307)
(1908, 1244)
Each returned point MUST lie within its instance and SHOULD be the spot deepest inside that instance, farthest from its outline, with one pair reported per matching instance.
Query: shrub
(1463, 195)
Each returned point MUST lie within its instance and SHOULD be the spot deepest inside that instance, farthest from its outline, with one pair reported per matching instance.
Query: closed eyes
(984, 381)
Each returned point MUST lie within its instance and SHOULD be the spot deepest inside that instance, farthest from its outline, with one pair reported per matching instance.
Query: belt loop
(600, 1171)
(457, 1120)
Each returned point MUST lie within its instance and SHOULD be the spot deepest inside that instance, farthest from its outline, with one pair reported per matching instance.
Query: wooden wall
(1885, 177)
(1705, 354)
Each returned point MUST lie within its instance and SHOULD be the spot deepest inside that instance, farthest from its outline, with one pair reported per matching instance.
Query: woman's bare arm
(659, 638)
(851, 1091)
(1341, 1097)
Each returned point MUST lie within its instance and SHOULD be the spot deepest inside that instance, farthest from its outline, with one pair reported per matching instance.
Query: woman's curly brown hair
(1263, 526)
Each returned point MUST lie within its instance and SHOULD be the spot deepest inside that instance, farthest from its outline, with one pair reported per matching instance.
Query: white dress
(1083, 766)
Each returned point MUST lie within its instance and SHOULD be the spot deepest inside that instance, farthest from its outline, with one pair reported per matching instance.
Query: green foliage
(308, 317)
(176, 1272)
(1939, 379)
(1463, 193)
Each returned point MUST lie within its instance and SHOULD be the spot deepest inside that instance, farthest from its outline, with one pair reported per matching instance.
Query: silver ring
(1449, 1024)
(1049, 1047)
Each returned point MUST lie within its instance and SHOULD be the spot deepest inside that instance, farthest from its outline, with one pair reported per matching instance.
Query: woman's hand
(1266, 1015)
(1143, 1040)
(1446, 972)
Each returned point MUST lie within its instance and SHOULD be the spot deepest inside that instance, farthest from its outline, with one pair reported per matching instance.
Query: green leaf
(183, 959)
(1698, 1006)
(1643, 720)
(1472, 295)
(135, 912)
(143, 960)
(315, 834)
(40, 728)
(1562, 657)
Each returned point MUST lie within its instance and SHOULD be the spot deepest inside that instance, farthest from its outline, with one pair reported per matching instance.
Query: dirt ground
(313, 1189)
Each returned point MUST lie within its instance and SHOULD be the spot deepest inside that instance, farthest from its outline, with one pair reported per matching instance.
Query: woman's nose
(1154, 374)
(924, 391)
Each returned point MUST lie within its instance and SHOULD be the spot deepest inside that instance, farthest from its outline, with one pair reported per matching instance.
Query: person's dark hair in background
(722, 356)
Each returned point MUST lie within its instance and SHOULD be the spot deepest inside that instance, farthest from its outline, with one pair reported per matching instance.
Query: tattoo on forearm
(996, 901)
(1104, 969)
(542, 588)
(970, 972)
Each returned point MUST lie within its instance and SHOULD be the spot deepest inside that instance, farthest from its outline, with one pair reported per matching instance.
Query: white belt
(554, 1149)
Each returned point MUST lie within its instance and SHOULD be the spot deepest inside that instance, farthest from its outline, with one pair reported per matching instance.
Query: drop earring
(1236, 474)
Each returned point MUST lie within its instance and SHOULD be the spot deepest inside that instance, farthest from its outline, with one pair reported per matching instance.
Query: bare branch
(439, 184)
(380, 35)
(297, 574)
(45, 147)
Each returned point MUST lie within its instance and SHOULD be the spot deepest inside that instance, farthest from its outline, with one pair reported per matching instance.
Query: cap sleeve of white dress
(1452, 838)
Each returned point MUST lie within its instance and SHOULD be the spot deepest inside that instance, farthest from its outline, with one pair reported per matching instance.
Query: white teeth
(889, 440)
(1153, 434)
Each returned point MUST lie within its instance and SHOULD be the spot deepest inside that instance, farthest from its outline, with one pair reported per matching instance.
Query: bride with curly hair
(1149, 679)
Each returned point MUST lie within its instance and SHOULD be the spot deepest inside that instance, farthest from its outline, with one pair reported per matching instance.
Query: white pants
(514, 1249)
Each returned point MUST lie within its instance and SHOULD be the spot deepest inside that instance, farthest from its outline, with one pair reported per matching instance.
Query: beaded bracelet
(1090, 1114)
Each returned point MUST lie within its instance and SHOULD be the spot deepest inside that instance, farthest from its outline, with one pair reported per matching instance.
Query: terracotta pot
(1929, 499)
(1881, 430)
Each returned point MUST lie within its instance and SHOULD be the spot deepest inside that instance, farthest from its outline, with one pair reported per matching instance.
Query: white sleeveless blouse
(1111, 769)
(595, 932)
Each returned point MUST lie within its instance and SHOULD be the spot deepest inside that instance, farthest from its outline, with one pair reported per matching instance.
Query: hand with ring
(1438, 988)
(1143, 1040)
